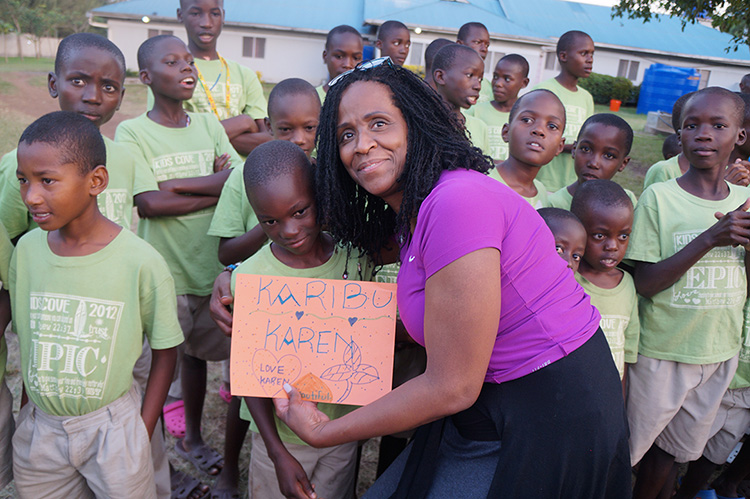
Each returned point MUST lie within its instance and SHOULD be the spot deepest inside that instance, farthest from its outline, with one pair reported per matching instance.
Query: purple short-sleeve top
(545, 314)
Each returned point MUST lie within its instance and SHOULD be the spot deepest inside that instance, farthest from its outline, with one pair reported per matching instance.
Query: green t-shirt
(485, 93)
(81, 320)
(538, 201)
(619, 310)
(563, 199)
(494, 119)
(321, 94)
(183, 241)
(578, 107)
(245, 91)
(663, 171)
(697, 320)
(233, 216)
(265, 263)
(6, 251)
(742, 375)
(478, 132)
(126, 179)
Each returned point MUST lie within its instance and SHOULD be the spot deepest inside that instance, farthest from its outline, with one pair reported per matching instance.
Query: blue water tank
(663, 85)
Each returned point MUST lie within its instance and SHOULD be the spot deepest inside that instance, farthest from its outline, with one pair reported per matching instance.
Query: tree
(728, 16)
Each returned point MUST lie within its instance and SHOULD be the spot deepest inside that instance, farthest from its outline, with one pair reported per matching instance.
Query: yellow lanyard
(211, 100)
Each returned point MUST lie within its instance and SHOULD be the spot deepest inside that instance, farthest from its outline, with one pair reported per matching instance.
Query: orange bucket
(614, 105)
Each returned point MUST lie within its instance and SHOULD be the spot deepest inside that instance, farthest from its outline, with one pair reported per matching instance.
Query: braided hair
(436, 141)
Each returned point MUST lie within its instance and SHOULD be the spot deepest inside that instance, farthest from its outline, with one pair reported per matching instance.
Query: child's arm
(732, 229)
(293, 481)
(208, 185)
(169, 204)
(241, 135)
(4, 310)
(221, 300)
(240, 248)
(162, 370)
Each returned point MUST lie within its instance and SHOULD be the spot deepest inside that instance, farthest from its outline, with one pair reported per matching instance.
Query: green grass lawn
(28, 64)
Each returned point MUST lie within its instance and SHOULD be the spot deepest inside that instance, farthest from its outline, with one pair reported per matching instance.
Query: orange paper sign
(332, 339)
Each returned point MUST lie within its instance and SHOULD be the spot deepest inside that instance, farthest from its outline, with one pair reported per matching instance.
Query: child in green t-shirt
(293, 114)
(457, 73)
(394, 41)
(510, 76)
(570, 236)
(6, 399)
(475, 36)
(225, 88)
(575, 53)
(600, 152)
(534, 137)
(343, 51)
(88, 79)
(84, 430)
(188, 155)
(690, 274)
(607, 215)
(671, 146)
(278, 179)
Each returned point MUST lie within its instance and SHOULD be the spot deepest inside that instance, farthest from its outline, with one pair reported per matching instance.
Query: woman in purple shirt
(520, 397)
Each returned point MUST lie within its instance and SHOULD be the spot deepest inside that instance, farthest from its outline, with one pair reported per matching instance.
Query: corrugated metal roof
(533, 19)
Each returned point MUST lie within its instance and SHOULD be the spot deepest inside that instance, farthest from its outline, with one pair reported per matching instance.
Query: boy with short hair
(83, 431)
(343, 52)
(606, 212)
(575, 52)
(475, 36)
(429, 56)
(534, 137)
(457, 73)
(600, 152)
(570, 236)
(671, 146)
(511, 75)
(690, 273)
(187, 153)
(394, 41)
(88, 79)
(279, 184)
(226, 88)
(293, 114)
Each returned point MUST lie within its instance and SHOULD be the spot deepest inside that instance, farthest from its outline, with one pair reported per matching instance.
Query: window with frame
(550, 60)
(628, 69)
(496, 56)
(155, 32)
(254, 47)
(705, 75)
(416, 52)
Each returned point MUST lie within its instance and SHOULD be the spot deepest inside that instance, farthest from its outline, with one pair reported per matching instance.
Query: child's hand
(302, 417)
(170, 185)
(221, 300)
(732, 229)
(293, 481)
(222, 163)
(738, 173)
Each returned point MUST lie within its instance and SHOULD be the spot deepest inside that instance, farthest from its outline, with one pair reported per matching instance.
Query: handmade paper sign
(331, 339)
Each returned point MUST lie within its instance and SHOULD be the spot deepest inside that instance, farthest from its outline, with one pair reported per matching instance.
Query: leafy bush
(418, 70)
(604, 88)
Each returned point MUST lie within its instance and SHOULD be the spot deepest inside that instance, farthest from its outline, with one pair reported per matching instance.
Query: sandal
(203, 457)
(183, 486)
(174, 418)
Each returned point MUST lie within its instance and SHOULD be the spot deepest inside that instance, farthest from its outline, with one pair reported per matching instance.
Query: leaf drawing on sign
(352, 370)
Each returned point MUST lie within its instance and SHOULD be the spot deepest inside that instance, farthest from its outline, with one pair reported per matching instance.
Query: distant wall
(47, 46)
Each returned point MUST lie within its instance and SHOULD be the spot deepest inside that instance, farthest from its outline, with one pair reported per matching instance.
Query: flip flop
(225, 395)
(185, 484)
(706, 494)
(174, 418)
(203, 457)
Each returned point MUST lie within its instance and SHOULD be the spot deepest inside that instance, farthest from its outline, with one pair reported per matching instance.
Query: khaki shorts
(729, 426)
(105, 453)
(203, 338)
(673, 405)
(331, 470)
(6, 433)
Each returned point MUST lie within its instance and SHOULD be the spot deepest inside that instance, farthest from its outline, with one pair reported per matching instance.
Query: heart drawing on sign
(272, 373)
